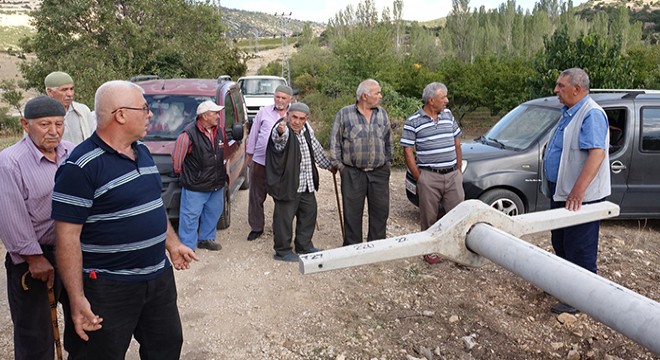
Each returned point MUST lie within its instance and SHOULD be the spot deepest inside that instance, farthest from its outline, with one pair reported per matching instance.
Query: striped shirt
(357, 143)
(433, 139)
(117, 201)
(306, 175)
(26, 185)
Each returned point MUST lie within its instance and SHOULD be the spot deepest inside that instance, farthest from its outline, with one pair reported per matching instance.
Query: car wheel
(246, 178)
(504, 200)
(225, 218)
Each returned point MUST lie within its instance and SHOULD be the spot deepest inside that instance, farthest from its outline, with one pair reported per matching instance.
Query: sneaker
(253, 235)
(433, 259)
(290, 257)
(560, 308)
(309, 251)
(209, 245)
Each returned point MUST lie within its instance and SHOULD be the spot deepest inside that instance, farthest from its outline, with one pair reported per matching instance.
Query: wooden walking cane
(53, 315)
(341, 219)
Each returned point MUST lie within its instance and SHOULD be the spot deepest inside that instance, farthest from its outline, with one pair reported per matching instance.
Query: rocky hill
(241, 24)
(248, 24)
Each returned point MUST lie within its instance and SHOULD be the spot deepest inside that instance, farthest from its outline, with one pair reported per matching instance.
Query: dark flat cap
(43, 106)
(298, 106)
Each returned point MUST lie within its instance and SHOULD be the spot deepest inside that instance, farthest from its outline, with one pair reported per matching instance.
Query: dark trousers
(144, 309)
(30, 311)
(577, 244)
(304, 209)
(257, 197)
(355, 186)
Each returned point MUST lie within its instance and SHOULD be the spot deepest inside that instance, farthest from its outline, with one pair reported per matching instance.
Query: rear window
(650, 129)
(260, 86)
(171, 114)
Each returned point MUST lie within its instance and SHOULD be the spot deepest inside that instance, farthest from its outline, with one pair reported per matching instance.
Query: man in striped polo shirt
(112, 233)
(435, 136)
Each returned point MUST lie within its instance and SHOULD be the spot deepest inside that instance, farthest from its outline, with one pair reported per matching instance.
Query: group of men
(361, 150)
(88, 215)
(284, 167)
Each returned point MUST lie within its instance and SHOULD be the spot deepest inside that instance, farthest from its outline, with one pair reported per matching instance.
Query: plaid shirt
(306, 175)
(357, 143)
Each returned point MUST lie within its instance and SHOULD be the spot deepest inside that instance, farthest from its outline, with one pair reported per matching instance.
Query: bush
(9, 125)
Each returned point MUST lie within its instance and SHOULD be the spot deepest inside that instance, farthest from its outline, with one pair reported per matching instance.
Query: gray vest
(573, 159)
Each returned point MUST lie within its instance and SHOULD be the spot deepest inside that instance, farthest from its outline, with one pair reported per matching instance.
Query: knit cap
(43, 106)
(57, 79)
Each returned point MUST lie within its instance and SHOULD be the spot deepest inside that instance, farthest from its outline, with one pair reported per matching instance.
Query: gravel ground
(238, 303)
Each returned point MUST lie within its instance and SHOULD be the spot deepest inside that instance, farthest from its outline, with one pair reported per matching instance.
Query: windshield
(521, 127)
(171, 114)
(260, 86)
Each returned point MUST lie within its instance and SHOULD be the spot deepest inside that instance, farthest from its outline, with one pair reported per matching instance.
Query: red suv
(174, 103)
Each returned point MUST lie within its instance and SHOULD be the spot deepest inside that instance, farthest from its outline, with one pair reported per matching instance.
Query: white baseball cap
(208, 105)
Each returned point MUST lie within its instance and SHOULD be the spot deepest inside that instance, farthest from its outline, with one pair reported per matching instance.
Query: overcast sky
(322, 10)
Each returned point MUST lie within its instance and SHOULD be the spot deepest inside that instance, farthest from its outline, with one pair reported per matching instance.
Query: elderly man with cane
(292, 179)
(27, 173)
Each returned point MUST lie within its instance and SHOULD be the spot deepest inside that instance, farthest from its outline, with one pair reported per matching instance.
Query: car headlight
(463, 166)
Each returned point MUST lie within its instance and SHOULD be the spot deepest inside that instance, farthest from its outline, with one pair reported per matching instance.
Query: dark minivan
(502, 167)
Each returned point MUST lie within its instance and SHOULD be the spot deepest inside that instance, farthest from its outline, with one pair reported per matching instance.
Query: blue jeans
(199, 213)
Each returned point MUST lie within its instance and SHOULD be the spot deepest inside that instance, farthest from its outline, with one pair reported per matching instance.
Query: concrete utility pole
(284, 19)
(473, 232)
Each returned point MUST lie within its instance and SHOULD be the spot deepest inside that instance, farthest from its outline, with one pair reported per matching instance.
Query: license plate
(410, 186)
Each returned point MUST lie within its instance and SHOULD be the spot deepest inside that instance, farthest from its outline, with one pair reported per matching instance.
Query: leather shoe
(290, 257)
(433, 259)
(310, 250)
(253, 235)
(560, 308)
(209, 245)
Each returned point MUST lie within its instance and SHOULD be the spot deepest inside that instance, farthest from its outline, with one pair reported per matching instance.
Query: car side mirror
(237, 132)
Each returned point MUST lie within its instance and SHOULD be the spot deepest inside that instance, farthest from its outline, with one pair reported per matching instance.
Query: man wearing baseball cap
(79, 123)
(198, 158)
(27, 173)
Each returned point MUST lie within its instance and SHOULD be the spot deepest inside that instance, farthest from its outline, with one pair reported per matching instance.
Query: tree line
(490, 59)
(493, 59)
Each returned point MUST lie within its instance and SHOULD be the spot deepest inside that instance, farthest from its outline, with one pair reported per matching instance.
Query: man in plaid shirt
(292, 179)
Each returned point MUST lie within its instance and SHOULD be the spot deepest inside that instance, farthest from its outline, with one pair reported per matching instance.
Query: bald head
(111, 96)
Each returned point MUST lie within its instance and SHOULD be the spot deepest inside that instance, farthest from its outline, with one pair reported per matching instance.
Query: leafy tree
(460, 27)
(12, 95)
(96, 41)
(645, 62)
(605, 63)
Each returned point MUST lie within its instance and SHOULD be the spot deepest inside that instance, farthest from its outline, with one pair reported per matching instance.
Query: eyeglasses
(145, 109)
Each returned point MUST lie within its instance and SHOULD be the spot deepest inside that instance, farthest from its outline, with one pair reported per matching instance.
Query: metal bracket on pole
(473, 231)
(447, 236)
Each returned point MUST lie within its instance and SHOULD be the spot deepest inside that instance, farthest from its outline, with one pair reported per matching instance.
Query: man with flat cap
(27, 173)
(256, 152)
(198, 158)
(79, 123)
(292, 179)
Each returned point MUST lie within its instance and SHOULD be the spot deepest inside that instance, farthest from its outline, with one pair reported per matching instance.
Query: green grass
(10, 36)
(6, 141)
(264, 43)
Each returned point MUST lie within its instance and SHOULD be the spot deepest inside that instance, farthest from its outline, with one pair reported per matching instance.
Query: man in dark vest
(198, 157)
(292, 179)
